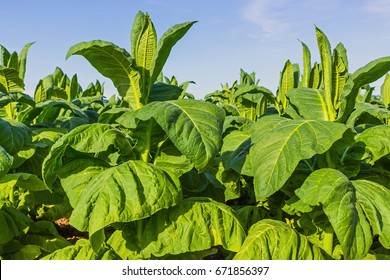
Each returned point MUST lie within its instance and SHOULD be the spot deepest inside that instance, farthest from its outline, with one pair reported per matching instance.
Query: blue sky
(255, 35)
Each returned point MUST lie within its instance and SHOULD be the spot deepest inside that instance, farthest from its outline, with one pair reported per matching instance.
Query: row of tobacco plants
(303, 173)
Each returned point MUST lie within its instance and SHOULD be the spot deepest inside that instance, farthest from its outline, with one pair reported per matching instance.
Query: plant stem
(329, 160)
(12, 197)
(328, 241)
(9, 111)
(140, 230)
(145, 154)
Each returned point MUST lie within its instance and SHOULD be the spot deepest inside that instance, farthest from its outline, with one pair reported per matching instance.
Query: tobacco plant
(155, 174)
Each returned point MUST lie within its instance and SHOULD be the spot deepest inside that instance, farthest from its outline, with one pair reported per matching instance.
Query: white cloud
(377, 6)
(268, 14)
(280, 17)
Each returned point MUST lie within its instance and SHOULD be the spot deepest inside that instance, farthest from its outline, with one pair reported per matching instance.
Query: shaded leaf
(275, 240)
(195, 224)
(281, 144)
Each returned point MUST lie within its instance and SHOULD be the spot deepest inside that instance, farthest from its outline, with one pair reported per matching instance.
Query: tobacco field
(302, 173)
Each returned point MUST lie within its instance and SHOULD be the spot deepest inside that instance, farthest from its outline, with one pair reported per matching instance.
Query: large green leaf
(165, 45)
(306, 65)
(6, 161)
(114, 63)
(76, 174)
(282, 144)
(171, 159)
(374, 200)
(15, 97)
(376, 142)
(194, 127)
(275, 240)
(326, 63)
(45, 235)
(352, 207)
(385, 91)
(13, 135)
(10, 80)
(13, 61)
(235, 150)
(12, 223)
(49, 111)
(309, 103)
(286, 83)
(316, 76)
(144, 51)
(4, 55)
(195, 224)
(10, 182)
(44, 89)
(364, 75)
(82, 250)
(164, 92)
(363, 109)
(339, 73)
(96, 140)
(128, 192)
(23, 59)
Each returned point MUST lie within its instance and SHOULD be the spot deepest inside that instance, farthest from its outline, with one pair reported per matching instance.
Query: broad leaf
(114, 63)
(275, 240)
(235, 150)
(286, 83)
(193, 225)
(306, 65)
(326, 63)
(385, 91)
(13, 135)
(164, 92)
(171, 159)
(10, 80)
(352, 207)
(10, 182)
(364, 75)
(282, 144)
(45, 235)
(309, 103)
(6, 161)
(76, 174)
(362, 109)
(339, 73)
(50, 110)
(165, 45)
(82, 250)
(194, 127)
(128, 192)
(23, 59)
(12, 223)
(144, 51)
(374, 200)
(94, 140)
(316, 76)
(376, 142)
(15, 97)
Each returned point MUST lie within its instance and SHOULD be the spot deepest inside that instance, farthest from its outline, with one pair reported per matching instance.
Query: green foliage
(133, 74)
(155, 174)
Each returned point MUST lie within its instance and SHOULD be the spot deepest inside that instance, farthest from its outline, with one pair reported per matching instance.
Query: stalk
(139, 225)
(328, 241)
(329, 161)
(145, 154)
(12, 197)
(9, 111)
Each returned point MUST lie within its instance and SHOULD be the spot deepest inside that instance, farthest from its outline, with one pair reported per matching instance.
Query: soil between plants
(69, 232)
